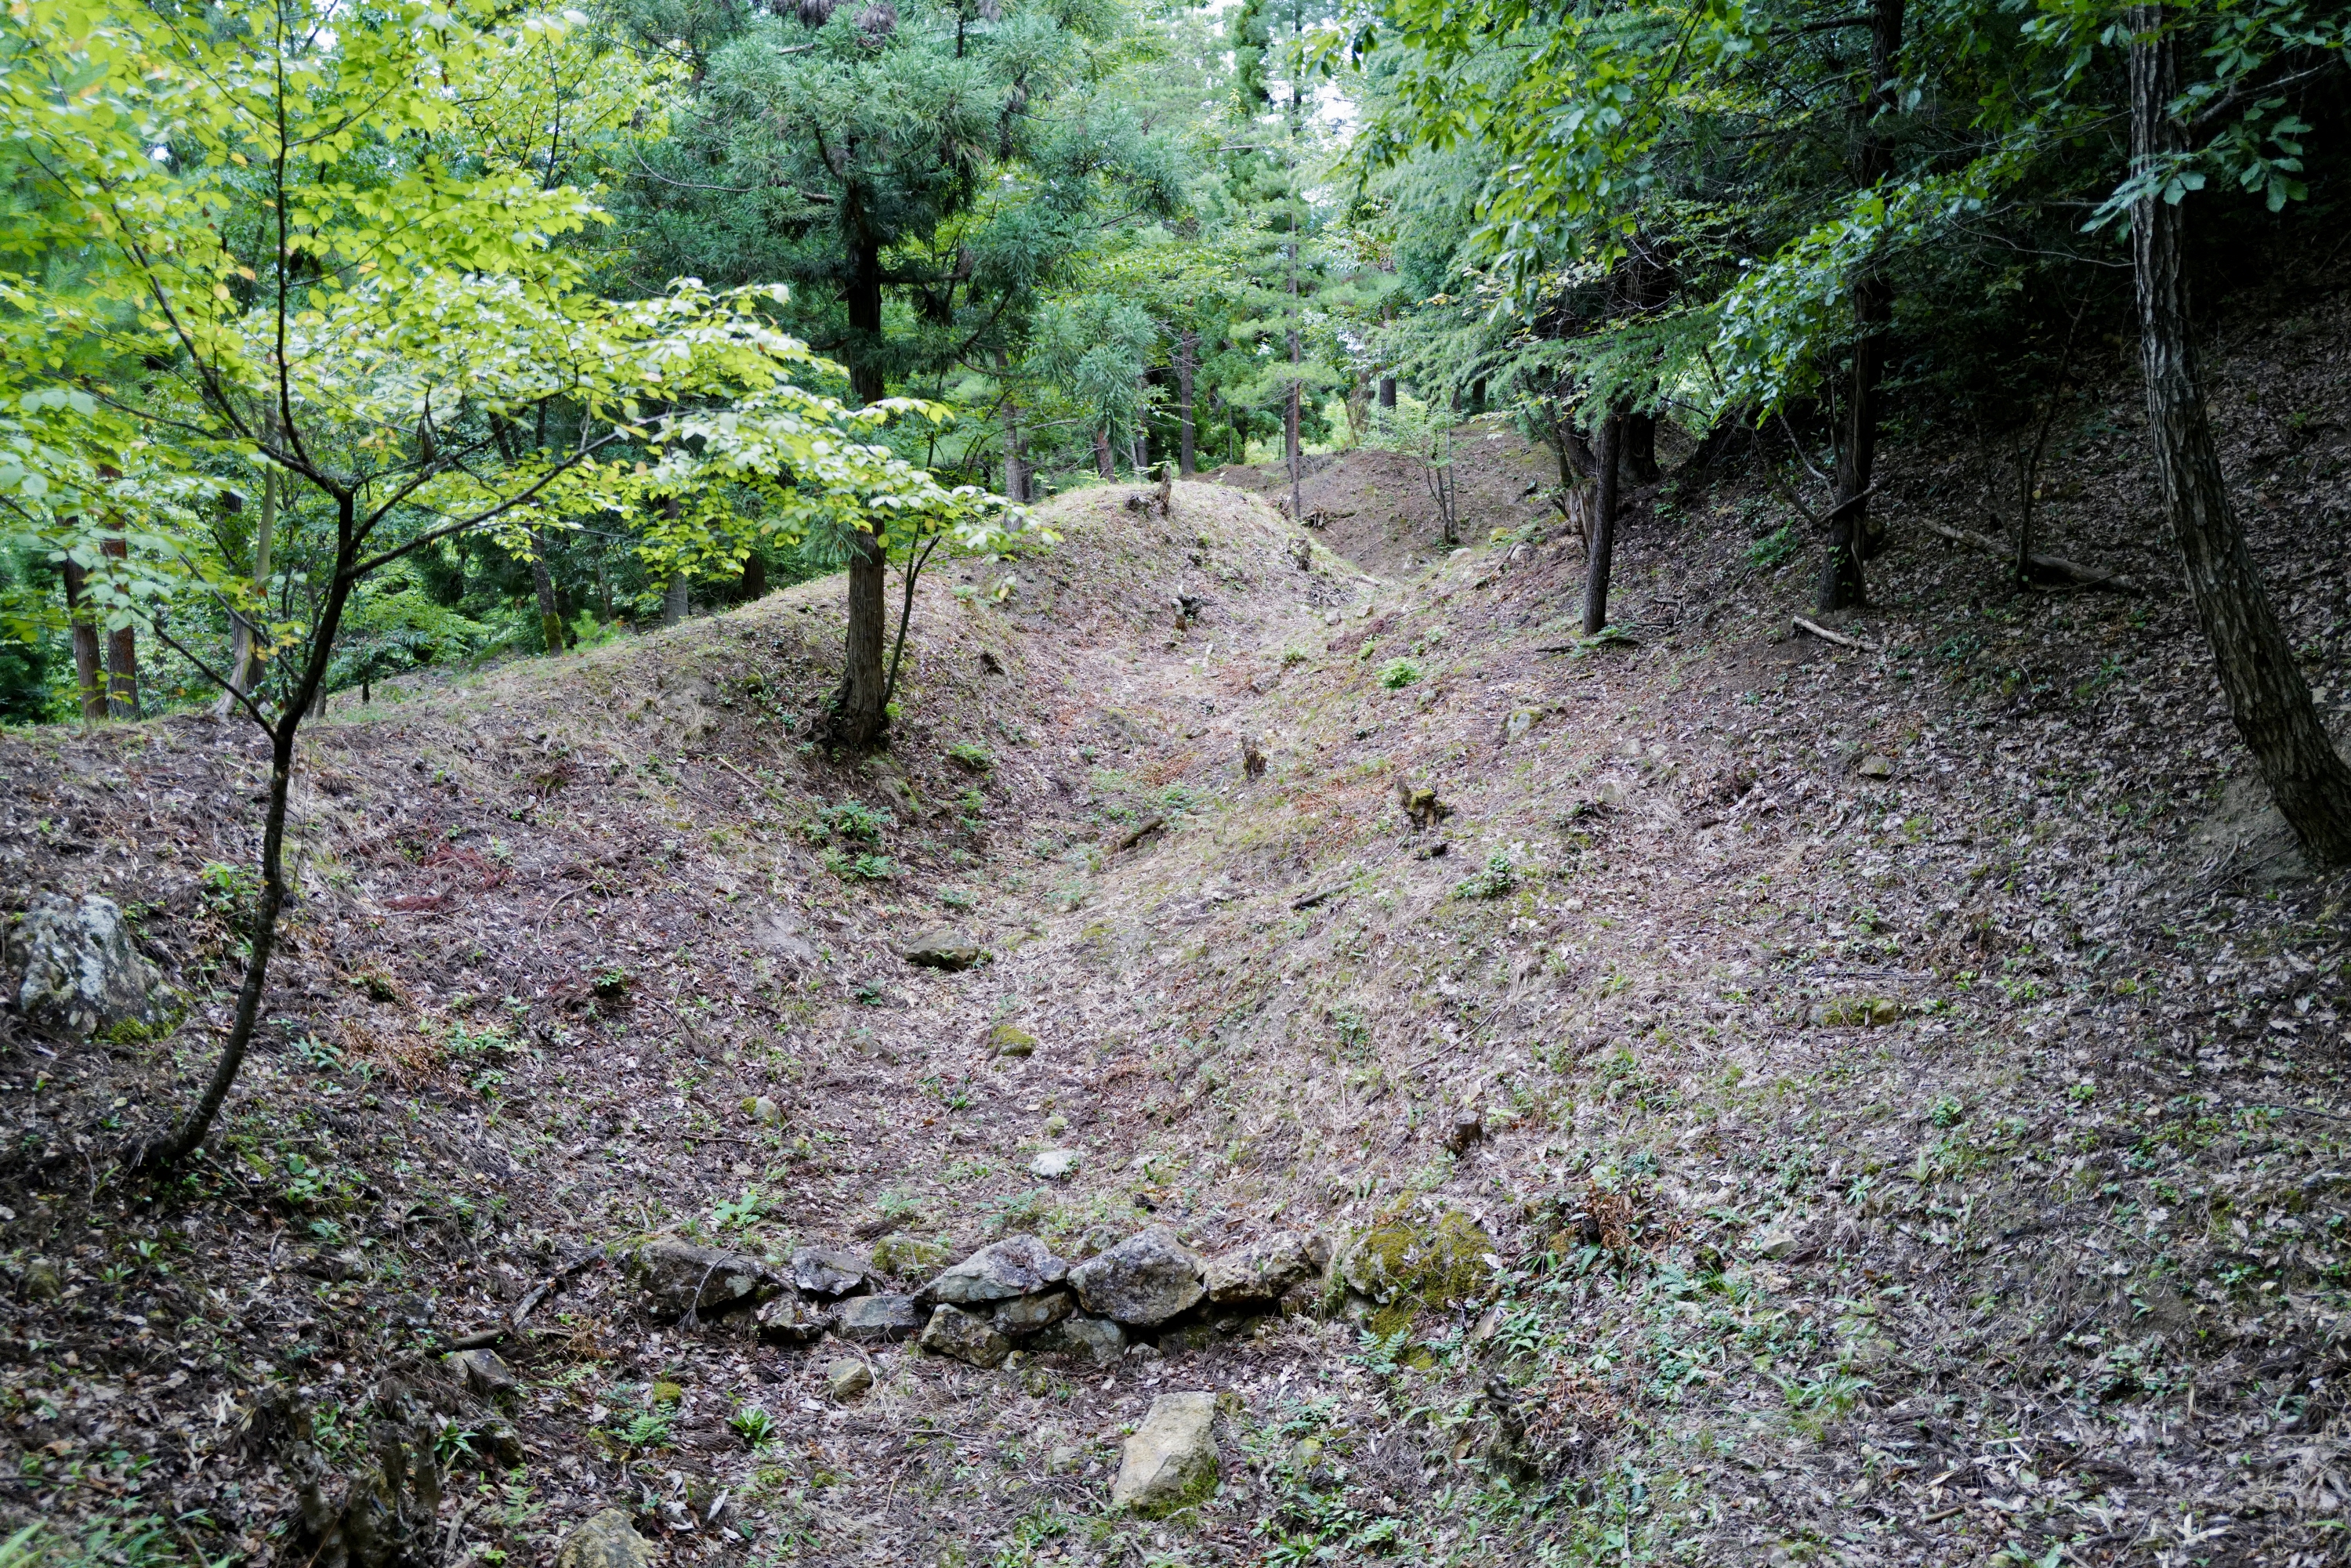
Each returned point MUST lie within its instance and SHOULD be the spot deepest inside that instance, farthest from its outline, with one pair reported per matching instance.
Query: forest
(1118, 781)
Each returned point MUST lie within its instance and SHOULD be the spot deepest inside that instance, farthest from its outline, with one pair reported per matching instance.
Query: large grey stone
(869, 1319)
(1024, 1315)
(942, 949)
(846, 1377)
(678, 1276)
(788, 1320)
(952, 1332)
(69, 965)
(1142, 1281)
(484, 1371)
(1259, 1273)
(1171, 1460)
(1097, 1340)
(1017, 1266)
(829, 1271)
(605, 1539)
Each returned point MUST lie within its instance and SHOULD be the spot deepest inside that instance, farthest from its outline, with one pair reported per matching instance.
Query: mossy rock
(904, 1256)
(1005, 1039)
(1857, 1012)
(1441, 1264)
(667, 1392)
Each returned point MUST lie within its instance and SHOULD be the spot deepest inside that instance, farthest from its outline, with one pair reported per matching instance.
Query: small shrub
(1399, 673)
(1776, 548)
(1498, 879)
(974, 758)
(849, 820)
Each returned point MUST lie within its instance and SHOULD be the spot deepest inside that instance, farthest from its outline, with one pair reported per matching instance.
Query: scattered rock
(903, 1257)
(942, 949)
(953, 1332)
(483, 1371)
(764, 1111)
(1142, 1281)
(43, 1282)
(1056, 1164)
(847, 1378)
(1259, 1272)
(829, 1271)
(679, 1277)
(605, 1539)
(1025, 1315)
(69, 965)
(872, 1319)
(1421, 804)
(1252, 758)
(1468, 1127)
(1875, 767)
(1776, 1243)
(1009, 1040)
(1521, 721)
(1097, 1340)
(788, 1320)
(1441, 1264)
(1171, 1460)
(1017, 1266)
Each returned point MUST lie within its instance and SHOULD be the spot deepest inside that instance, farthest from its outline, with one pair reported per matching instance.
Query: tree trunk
(542, 585)
(189, 1135)
(245, 661)
(1187, 353)
(1387, 391)
(89, 674)
(1104, 464)
(755, 578)
(1641, 447)
(674, 601)
(860, 707)
(1851, 538)
(2267, 695)
(1015, 469)
(1608, 458)
(1142, 426)
(121, 650)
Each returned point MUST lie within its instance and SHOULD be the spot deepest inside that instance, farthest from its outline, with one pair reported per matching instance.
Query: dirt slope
(1876, 1106)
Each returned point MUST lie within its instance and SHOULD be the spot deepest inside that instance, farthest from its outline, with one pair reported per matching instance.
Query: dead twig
(1141, 831)
(2044, 570)
(1839, 638)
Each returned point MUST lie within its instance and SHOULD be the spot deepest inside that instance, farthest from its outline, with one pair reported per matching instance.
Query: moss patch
(1408, 1260)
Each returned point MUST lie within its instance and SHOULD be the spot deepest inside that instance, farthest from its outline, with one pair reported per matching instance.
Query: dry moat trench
(1801, 1105)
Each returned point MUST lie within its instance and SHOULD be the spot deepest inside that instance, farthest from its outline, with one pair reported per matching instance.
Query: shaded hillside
(1874, 1103)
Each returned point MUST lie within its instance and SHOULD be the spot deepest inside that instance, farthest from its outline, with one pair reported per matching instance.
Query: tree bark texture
(2267, 695)
(244, 660)
(542, 586)
(1187, 356)
(121, 651)
(859, 710)
(1015, 469)
(1608, 458)
(859, 713)
(90, 670)
(1641, 447)
(1850, 538)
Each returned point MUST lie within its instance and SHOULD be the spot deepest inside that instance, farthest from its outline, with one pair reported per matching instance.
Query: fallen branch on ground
(2048, 571)
(1839, 638)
